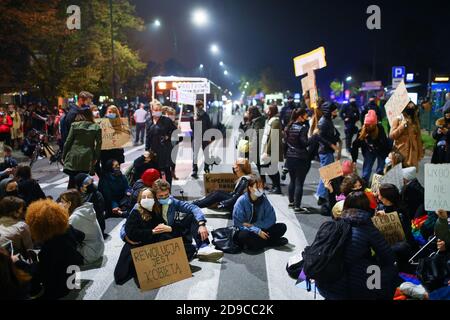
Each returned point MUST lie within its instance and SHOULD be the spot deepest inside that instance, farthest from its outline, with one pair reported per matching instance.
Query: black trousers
(252, 241)
(6, 138)
(196, 149)
(349, 133)
(168, 173)
(140, 132)
(298, 170)
(212, 199)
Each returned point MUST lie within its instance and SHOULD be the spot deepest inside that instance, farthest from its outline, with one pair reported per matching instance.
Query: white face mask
(388, 161)
(258, 193)
(148, 204)
(96, 114)
(156, 114)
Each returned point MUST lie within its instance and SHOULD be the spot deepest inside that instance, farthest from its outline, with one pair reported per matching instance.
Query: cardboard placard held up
(395, 177)
(310, 61)
(309, 82)
(376, 182)
(397, 103)
(161, 264)
(390, 227)
(116, 133)
(331, 171)
(437, 187)
(219, 181)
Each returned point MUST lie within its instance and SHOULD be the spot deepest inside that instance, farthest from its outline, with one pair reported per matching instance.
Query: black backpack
(323, 261)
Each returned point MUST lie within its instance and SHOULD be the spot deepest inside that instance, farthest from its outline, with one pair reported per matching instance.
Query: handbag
(433, 271)
(224, 240)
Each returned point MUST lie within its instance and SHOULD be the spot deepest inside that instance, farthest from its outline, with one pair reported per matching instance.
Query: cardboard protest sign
(309, 82)
(390, 227)
(187, 98)
(310, 61)
(116, 133)
(395, 177)
(219, 181)
(161, 264)
(437, 187)
(331, 171)
(376, 182)
(397, 103)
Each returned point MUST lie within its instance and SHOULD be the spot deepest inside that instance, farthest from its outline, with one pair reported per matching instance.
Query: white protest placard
(173, 96)
(395, 177)
(397, 103)
(437, 187)
(187, 98)
(195, 87)
(310, 61)
(376, 182)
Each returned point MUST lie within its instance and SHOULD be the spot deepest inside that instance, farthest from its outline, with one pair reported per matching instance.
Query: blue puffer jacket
(358, 258)
(260, 214)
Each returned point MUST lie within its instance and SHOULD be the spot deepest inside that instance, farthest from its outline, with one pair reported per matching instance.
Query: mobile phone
(8, 246)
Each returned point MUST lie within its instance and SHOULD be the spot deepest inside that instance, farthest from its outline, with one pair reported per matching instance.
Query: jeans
(298, 170)
(325, 160)
(212, 199)
(254, 242)
(140, 132)
(369, 161)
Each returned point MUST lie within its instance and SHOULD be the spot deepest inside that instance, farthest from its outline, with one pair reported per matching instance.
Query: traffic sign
(398, 72)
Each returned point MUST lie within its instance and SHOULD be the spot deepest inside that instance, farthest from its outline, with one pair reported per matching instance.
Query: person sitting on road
(147, 180)
(9, 161)
(115, 189)
(15, 282)
(89, 193)
(413, 193)
(143, 163)
(394, 159)
(49, 226)
(255, 217)
(191, 227)
(28, 188)
(9, 188)
(366, 247)
(226, 200)
(83, 218)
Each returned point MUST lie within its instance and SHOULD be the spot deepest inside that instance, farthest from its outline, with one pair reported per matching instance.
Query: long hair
(295, 115)
(10, 206)
(372, 134)
(145, 214)
(11, 277)
(74, 197)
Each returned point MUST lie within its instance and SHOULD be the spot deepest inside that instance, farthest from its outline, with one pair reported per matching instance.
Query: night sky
(256, 34)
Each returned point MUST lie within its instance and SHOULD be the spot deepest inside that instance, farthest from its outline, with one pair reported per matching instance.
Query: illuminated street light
(349, 78)
(215, 49)
(202, 66)
(157, 23)
(221, 63)
(200, 17)
(225, 72)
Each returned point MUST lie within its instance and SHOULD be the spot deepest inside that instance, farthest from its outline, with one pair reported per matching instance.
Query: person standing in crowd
(115, 189)
(49, 226)
(118, 154)
(13, 226)
(39, 118)
(28, 188)
(257, 124)
(200, 119)
(447, 103)
(286, 112)
(297, 157)
(6, 123)
(413, 193)
(407, 136)
(16, 129)
(375, 146)
(82, 217)
(372, 105)
(255, 217)
(140, 118)
(158, 140)
(441, 152)
(84, 102)
(351, 115)
(83, 146)
(365, 238)
(171, 113)
(95, 112)
(329, 143)
(271, 141)
(58, 125)
(226, 200)
(89, 193)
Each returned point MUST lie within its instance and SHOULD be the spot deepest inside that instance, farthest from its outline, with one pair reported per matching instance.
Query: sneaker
(301, 210)
(276, 191)
(194, 175)
(413, 291)
(209, 254)
(291, 205)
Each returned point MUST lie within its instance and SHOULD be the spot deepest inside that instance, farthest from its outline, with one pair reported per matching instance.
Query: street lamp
(200, 17)
(221, 63)
(225, 72)
(202, 66)
(157, 23)
(215, 49)
(349, 78)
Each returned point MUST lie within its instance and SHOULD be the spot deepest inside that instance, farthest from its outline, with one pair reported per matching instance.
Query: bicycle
(44, 150)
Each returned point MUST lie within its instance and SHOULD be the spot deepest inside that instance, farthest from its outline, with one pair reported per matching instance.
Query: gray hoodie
(85, 220)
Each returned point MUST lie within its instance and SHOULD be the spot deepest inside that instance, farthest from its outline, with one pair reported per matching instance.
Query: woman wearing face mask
(28, 188)
(255, 217)
(226, 200)
(89, 193)
(441, 134)
(407, 136)
(83, 145)
(171, 113)
(159, 131)
(115, 189)
(6, 123)
(113, 114)
(394, 159)
(373, 142)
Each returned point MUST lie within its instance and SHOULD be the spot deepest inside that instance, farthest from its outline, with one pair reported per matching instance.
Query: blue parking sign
(398, 72)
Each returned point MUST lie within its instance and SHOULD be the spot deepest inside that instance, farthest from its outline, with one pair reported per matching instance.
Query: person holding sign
(374, 144)
(407, 136)
(83, 146)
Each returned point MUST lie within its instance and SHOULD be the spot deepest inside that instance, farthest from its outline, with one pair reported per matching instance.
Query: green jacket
(443, 232)
(82, 147)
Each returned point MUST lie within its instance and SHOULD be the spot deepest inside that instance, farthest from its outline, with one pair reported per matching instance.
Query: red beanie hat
(371, 118)
(347, 167)
(150, 176)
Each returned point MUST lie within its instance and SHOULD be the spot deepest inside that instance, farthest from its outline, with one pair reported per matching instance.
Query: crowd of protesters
(71, 230)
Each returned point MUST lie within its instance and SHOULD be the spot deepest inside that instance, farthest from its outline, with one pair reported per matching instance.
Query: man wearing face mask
(255, 217)
(200, 123)
(84, 102)
(89, 192)
(407, 136)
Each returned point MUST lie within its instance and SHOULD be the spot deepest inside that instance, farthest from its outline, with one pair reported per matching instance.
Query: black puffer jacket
(328, 134)
(379, 146)
(297, 141)
(241, 186)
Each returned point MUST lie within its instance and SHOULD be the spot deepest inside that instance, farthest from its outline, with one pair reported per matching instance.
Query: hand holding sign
(397, 103)
(331, 171)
